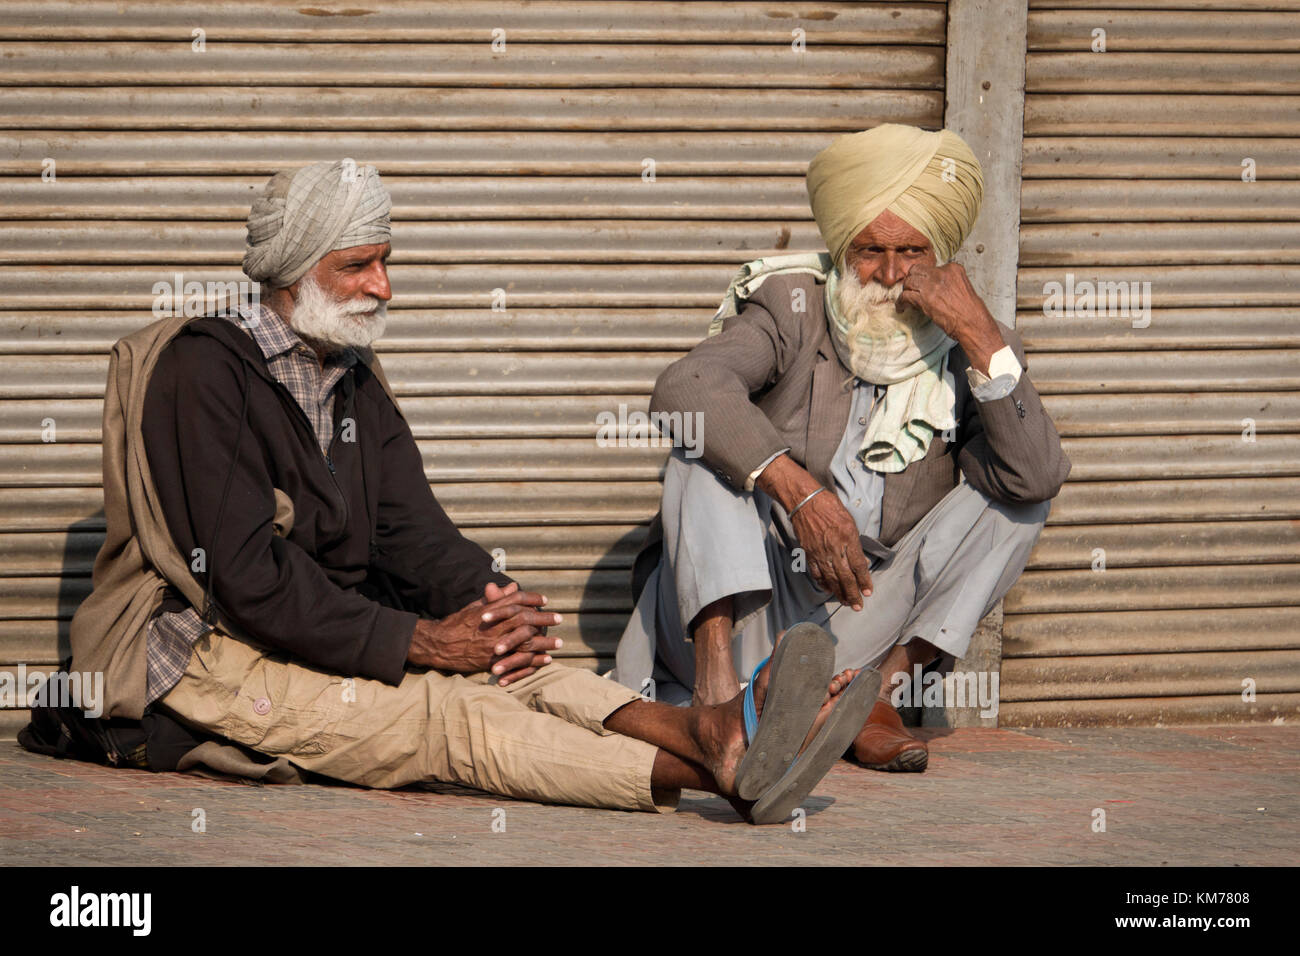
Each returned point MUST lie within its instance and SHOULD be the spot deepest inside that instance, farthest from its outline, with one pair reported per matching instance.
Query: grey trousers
(942, 577)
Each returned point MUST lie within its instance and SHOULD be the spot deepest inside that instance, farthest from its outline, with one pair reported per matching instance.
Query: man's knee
(966, 506)
(1029, 515)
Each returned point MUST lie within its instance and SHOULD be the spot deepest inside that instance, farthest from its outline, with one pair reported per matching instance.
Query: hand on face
(944, 293)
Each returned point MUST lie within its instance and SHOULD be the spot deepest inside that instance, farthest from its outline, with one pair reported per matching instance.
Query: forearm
(826, 530)
(435, 581)
(284, 600)
(786, 482)
(979, 338)
(1013, 452)
(712, 389)
(428, 564)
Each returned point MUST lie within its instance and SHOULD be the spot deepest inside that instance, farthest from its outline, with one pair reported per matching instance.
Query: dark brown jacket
(772, 379)
(369, 549)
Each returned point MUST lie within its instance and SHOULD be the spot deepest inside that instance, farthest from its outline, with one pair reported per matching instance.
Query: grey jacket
(771, 380)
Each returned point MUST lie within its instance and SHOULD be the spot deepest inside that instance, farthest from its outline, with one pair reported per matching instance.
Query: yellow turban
(932, 181)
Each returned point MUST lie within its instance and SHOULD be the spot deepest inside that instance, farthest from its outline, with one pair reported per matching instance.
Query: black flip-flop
(846, 720)
(802, 665)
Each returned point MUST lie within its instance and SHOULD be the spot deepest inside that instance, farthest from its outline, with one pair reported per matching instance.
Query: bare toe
(840, 681)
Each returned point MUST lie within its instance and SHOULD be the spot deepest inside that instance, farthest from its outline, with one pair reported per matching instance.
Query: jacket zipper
(329, 463)
(328, 459)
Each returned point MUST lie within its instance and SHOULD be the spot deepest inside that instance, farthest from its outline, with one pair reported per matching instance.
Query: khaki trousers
(540, 738)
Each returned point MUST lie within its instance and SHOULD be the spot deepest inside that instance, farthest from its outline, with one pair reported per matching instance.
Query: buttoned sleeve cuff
(753, 475)
(1004, 375)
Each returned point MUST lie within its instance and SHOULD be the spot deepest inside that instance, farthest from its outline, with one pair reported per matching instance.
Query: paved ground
(1186, 796)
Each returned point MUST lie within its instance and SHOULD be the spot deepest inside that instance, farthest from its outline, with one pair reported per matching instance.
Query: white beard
(870, 312)
(874, 340)
(323, 321)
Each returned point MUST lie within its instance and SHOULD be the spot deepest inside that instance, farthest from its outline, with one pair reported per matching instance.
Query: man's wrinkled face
(871, 279)
(343, 300)
(886, 250)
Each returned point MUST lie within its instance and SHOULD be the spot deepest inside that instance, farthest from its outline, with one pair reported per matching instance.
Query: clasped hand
(502, 632)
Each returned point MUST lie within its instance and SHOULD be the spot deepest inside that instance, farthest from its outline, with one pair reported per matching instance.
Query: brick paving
(1178, 797)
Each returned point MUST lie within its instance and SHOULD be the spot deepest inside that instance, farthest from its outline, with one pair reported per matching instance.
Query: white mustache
(360, 306)
(875, 293)
(856, 297)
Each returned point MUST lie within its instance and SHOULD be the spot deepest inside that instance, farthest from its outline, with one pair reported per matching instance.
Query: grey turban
(305, 213)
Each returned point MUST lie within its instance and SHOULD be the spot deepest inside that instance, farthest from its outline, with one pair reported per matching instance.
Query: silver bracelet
(819, 490)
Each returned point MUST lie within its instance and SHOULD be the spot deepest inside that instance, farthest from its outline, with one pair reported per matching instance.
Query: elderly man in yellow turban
(872, 455)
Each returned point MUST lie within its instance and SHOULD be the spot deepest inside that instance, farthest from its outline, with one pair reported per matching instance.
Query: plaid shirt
(171, 635)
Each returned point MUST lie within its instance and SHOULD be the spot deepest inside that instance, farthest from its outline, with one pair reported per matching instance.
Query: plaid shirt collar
(274, 337)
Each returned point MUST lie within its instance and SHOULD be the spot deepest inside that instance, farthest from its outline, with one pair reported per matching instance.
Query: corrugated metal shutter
(1133, 163)
(520, 170)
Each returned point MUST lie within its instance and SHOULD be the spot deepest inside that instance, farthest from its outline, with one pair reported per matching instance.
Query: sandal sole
(846, 721)
(799, 674)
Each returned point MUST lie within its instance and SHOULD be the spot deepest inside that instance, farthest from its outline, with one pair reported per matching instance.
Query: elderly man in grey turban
(280, 593)
(297, 229)
(874, 457)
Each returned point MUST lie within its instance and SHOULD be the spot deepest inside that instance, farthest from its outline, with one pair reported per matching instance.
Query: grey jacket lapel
(829, 409)
(898, 488)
